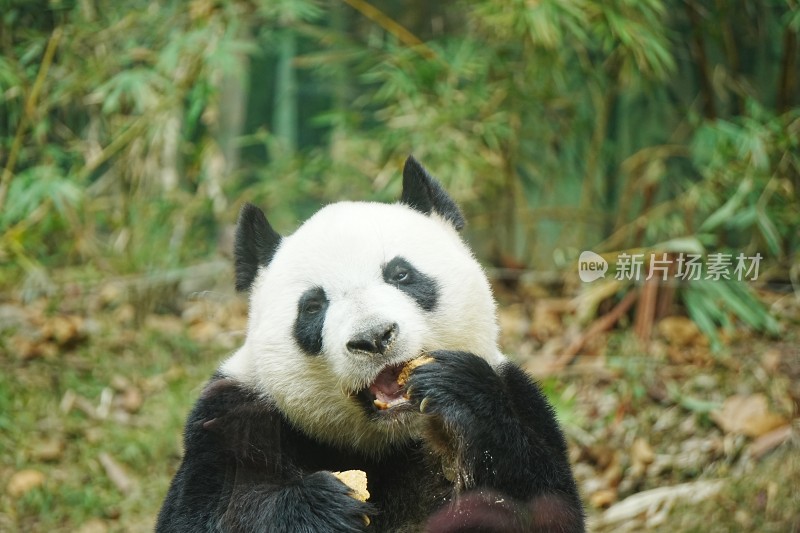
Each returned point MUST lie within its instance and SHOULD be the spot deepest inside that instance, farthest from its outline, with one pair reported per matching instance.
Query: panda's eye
(398, 272)
(313, 302)
(401, 276)
(312, 307)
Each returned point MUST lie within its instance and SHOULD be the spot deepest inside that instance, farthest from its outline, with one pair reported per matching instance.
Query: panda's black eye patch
(310, 318)
(403, 275)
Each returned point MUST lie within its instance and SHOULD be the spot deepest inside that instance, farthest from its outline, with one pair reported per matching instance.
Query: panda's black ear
(255, 245)
(425, 194)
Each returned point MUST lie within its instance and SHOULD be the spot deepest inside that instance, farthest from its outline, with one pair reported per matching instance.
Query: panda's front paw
(331, 506)
(459, 387)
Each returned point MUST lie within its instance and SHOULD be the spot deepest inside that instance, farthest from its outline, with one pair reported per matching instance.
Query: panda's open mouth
(385, 393)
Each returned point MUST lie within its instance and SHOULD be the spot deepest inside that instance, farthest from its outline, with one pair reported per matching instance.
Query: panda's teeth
(385, 390)
(397, 401)
(380, 405)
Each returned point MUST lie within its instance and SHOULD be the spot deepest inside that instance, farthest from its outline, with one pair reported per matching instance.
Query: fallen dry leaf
(603, 498)
(747, 415)
(547, 318)
(131, 400)
(166, 324)
(641, 452)
(66, 329)
(679, 330)
(769, 441)
(23, 482)
(95, 525)
(24, 348)
(49, 450)
(683, 341)
(770, 360)
(513, 321)
(111, 294)
(650, 501)
(198, 311)
(204, 332)
(119, 383)
(124, 314)
(613, 472)
(116, 473)
(642, 456)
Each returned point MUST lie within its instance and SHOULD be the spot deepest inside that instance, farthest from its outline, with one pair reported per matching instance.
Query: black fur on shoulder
(255, 245)
(425, 194)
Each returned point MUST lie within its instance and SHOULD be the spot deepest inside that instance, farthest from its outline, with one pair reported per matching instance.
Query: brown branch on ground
(646, 310)
(600, 325)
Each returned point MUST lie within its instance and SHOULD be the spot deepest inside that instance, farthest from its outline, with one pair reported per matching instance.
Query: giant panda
(469, 443)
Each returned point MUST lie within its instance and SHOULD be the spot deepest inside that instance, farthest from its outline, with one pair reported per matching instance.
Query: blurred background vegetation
(131, 133)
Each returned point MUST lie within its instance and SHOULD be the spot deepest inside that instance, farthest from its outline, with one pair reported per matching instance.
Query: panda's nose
(375, 340)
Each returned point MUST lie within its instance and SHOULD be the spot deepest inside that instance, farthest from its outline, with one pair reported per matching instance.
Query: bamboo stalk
(391, 26)
(285, 111)
(699, 51)
(788, 74)
(30, 107)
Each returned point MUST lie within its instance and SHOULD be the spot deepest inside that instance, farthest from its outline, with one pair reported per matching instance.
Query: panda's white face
(356, 291)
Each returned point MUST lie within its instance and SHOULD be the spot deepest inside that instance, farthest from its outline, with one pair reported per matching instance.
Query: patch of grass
(563, 404)
(763, 499)
(168, 370)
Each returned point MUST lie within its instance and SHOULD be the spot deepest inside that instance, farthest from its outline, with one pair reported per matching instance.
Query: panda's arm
(204, 479)
(235, 475)
(502, 436)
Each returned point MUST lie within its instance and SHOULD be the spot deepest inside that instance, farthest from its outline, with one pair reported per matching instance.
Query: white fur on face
(343, 249)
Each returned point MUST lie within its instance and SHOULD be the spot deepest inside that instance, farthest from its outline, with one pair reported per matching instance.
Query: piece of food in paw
(357, 481)
(402, 378)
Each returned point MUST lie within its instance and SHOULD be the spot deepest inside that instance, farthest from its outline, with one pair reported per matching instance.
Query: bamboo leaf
(769, 232)
(728, 209)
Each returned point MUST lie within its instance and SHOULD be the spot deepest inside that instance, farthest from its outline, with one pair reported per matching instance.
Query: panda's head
(338, 306)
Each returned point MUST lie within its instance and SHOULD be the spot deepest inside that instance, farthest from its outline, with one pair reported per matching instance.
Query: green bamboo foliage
(559, 125)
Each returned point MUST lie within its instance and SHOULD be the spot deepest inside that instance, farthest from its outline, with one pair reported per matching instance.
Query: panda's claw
(424, 404)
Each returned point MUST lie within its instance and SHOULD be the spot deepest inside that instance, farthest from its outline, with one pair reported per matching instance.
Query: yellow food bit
(411, 365)
(357, 481)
